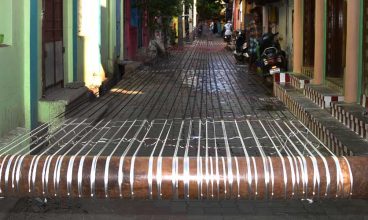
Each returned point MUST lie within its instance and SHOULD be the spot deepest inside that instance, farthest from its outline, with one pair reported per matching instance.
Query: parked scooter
(241, 50)
(272, 59)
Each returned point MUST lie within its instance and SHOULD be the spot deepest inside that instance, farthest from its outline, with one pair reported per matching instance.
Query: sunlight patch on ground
(127, 92)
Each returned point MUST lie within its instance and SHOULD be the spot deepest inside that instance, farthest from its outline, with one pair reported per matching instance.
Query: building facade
(325, 40)
(136, 33)
(330, 45)
(49, 44)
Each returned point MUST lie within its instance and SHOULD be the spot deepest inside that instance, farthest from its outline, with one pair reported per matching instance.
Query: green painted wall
(12, 71)
(6, 13)
(15, 61)
(68, 41)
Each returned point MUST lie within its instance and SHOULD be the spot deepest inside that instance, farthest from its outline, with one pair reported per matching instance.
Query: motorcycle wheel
(239, 58)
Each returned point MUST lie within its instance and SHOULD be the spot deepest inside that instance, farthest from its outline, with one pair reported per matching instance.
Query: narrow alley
(183, 109)
(202, 81)
(194, 103)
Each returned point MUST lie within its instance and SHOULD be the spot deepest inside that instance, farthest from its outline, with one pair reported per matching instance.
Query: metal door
(52, 44)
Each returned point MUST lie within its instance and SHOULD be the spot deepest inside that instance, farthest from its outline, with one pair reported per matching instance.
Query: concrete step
(299, 81)
(323, 96)
(60, 101)
(340, 139)
(353, 116)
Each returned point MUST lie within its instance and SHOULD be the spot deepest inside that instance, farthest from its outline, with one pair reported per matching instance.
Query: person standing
(253, 48)
(215, 28)
(228, 31)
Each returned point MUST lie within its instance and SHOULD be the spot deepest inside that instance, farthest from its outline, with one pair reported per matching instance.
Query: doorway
(336, 41)
(365, 49)
(52, 45)
(309, 32)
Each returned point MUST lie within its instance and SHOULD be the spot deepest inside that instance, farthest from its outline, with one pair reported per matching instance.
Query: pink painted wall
(131, 33)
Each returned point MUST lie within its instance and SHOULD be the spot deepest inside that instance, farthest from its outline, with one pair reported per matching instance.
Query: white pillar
(319, 43)
(195, 13)
(298, 36)
(89, 14)
(352, 55)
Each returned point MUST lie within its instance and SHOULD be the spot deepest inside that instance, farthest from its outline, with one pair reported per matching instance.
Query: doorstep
(61, 100)
(129, 66)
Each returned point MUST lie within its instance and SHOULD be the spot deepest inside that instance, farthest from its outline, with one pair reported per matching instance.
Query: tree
(160, 12)
(209, 9)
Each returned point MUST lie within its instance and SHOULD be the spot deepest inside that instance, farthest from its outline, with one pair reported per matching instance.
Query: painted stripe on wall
(75, 40)
(325, 42)
(34, 62)
(360, 51)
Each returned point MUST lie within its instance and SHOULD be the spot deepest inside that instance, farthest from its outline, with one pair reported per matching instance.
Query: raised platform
(323, 96)
(339, 138)
(299, 81)
(354, 116)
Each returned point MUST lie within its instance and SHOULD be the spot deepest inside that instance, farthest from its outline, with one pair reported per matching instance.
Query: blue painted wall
(34, 62)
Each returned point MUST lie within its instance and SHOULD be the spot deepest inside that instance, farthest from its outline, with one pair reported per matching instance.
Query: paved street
(157, 210)
(143, 109)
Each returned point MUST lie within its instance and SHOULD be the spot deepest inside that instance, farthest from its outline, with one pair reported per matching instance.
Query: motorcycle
(227, 39)
(272, 59)
(241, 50)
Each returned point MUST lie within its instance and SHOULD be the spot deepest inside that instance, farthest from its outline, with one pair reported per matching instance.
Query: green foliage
(160, 12)
(209, 9)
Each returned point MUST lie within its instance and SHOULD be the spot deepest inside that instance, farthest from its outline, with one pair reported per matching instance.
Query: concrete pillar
(265, 19)
(352, 53)
(195, 13)
(89, 12)
(319, 49)
(298, 36)
(244, 12)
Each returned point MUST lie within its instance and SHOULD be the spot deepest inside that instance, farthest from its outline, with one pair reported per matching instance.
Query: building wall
(236, 15)
(21, 61)
(286, 29)
(12, 70)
